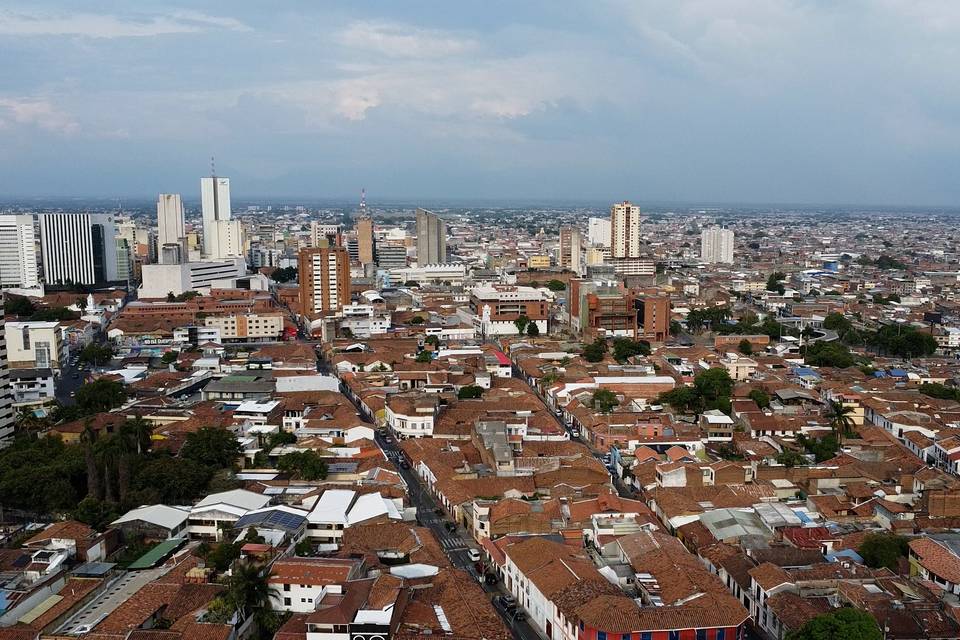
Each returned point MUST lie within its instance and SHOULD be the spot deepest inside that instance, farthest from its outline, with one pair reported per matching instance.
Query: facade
(18, 253)
(610, 312)
(634, 266)
(32, 386)
(157, 280)
(538, 262)
(325, 235)
(716, 245)
(34, 345)
(222, 236)
(654, 317)
(599, 232)
(625, 230)
(431, 238)
(248, 326)
(391, 256)
(496, 308)
(170, 226)
(569, 255)
(6, 394)
(78, 248)
(365, 240)
(324, 275)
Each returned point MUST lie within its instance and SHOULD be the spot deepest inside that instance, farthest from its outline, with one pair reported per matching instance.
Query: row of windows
(718, 634)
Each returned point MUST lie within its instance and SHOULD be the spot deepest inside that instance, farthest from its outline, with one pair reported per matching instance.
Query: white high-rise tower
(625, 230)
(171, 231)
(221, 235)
(18, 252)
(716, 245)
(6, 392)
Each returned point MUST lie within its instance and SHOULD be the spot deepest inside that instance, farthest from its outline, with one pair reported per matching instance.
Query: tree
(19, 306)
(773, 282)
(761, 397)
(521, 324)
(469, 392)
(281, 438)
(595, 351)
(96, 513)
(171, 297)
(714, 387)
(303, 465)
(745, 347)
(533, 330)
(417, 320)
(790, 458)
(604, 400)
(161, 478)
(883, 550)
(675, 328)
(42, 475)
(223, 555)
(841, 423)
(424, 356)
(625, 348)
(683, 399)
(96, 354)
(211, 446)
(100, 395)
(556, 285)
(828, 354)
(170, 357)
(88, 438)
(187, 296)
(432, 340)
(837, 322)
(845, 623)
(285, 274)
(248, 589)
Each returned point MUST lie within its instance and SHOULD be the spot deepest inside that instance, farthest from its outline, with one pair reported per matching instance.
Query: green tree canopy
(625, 348)
(745, 347)
(424, 356)
(595, 351)
(469, 392)
(556, 285)
(284, 274)
(761, 397)
(100, 395)
(604, 400)
(883, 550)
(211, 446)
(840, 624)
(521, 324)
(533, 330)
(96, 354)
(714, 386)
(303, 465)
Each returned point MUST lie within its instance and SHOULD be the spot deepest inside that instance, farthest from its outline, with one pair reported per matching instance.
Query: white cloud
(404, 41)
(92, 25)
(36, 112)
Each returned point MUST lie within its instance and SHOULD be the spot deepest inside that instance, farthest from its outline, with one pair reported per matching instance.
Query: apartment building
(496, 308)
(247, 327)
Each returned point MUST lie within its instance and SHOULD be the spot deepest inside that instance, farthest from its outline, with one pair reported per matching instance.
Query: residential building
(365, 247)
(599, 231)
(431, 238)
(496, 309)
(391, 256)
(221, 235)
(716, 245)
(18, 253)
(6, 394)
(654, 317)
(570, 251)
(325, 235)
(299, 584)
(171, 231)
(324, 275)
(78, 248)
(34, 345)
(625, 230)
(218, 512)
(247, 326)
(32, 386)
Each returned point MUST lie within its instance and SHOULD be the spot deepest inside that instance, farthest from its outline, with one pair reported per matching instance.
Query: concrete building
(365, 247)
(625, 230)
(171, 230)
(18, 253)
(249, 326)
(325, 235)
(496, 308)
(6, 393)
(78, 248)
(160, 279)
(654, 317)
(570, 254)
(391, 256)
(431, 238)
(34, 345)
(222, 236)
(716, 245)
(324, 275)
(599, 232)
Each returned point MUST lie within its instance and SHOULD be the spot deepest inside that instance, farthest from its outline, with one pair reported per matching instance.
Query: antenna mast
(363, 199)
(213, 168)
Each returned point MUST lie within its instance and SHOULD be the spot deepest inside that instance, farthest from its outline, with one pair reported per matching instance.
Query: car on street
(473, 554)
(450, 526)
(404, 464)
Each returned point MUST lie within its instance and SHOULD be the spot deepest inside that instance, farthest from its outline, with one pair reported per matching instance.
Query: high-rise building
(365, 239)
(391, 256)
(222, 236)
(18, 252)
(431, 238)
(716, 245)
(325, 235)
(324, 275)
(78, 248)
(598, 232)
(570, 253)
(654, 312)
(625, 230)
(6, 392)
(171, 229)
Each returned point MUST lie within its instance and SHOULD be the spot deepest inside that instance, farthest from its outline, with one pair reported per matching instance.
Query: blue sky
(701, 100)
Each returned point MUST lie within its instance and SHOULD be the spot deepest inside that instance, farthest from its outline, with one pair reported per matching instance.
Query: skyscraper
(598, 232)
(365, 239)
(18, 252)
(221, 235)
(625, 230)
(170, 226)
(570, 249)
(716, 245)
(6, 392)
(324, 275)
(78, 248)
(431, 238)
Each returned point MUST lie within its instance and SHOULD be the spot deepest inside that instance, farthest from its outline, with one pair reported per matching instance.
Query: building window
(674, 635)
(286, 602)
(646, 635)
(601, 635)
(286, 587)
(721, 634)
(701, 634)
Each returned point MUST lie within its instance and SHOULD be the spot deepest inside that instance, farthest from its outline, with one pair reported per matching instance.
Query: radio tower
(363, 200)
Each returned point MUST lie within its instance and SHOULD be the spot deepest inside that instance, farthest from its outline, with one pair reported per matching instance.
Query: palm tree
(840, 421)
(109, 450)
(89, 439)
(138, 431)
(249, 589)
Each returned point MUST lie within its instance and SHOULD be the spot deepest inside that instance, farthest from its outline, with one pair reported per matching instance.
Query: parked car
(473, 554)
(404, 464)
(450, 526)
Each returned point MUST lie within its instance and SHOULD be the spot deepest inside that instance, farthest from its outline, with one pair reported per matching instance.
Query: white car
(473, 554)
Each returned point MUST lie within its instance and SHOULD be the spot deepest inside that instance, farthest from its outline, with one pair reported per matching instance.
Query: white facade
(6, 394)
(599, 231)
(320, 233)
(32, 386)
(18, 253)
(170, 225)
(160, 279)
(36, 345)
(716, 245)
(78, 248)
(625, 230)
(250, 326)
(220, 238)
(431, 273)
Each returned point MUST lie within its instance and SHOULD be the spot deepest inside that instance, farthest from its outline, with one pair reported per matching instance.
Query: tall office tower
(391, 256)
(18, 253)
(324, 275)
(222, 237)
(171, 229)
(576, 252)
(599, 232)
(431, 238)
(569, 255)
(716, 245)
(365, 239)
(325, 235)
(625, 230)
(78, 248)
(6, 392)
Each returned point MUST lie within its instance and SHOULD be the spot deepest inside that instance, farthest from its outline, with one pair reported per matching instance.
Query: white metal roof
(160, 515)
(237, 497)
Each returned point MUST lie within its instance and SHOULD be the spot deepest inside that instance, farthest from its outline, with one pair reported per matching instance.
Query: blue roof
(804, 518)
(272, 517)
(879, 374)
(898, 373)
(845, 553)
(806, 371)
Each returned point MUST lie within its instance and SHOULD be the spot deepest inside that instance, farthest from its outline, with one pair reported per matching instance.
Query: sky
(804, 101)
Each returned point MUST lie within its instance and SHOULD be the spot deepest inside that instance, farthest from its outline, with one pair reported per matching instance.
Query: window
(701, 634)
(674, 635)
(286, 602)
(581, 625)
(646, 635)
(721, 634)
(601, 635)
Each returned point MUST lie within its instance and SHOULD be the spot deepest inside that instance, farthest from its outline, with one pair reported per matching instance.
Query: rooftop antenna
(363, 199)
(213, 168)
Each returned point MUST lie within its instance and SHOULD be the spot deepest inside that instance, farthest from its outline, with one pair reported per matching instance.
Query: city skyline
(712, 103)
